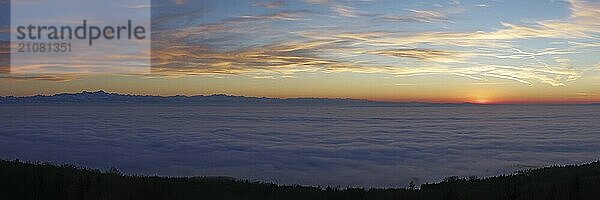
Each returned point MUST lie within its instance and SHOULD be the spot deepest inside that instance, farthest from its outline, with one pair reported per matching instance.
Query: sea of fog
(303, 144)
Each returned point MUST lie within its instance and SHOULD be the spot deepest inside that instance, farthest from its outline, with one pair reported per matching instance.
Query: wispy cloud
(582, 22)
(338, 8)
(280, 43)
(285, 15)
(270, 59)
(53, 78)
(345, 11)
(423, 54)
(422, 16)
(271, 5)
(308, 56)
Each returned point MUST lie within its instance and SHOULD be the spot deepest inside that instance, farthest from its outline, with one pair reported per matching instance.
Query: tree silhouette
(26, 181)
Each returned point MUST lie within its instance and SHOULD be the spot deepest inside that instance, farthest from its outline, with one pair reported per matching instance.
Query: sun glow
(481, 101)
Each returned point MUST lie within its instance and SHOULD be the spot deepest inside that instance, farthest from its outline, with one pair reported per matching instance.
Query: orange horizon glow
(473, 99)
(497, 101)
(374, 50)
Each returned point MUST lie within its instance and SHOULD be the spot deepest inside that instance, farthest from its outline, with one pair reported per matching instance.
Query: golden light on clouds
(358, 50)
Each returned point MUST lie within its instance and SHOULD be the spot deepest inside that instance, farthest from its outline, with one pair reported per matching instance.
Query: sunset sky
(500, 51)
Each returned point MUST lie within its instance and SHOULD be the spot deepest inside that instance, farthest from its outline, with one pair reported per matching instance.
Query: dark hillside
(24, 181)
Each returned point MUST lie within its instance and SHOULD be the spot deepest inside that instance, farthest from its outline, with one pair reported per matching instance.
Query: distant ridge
(106, 97)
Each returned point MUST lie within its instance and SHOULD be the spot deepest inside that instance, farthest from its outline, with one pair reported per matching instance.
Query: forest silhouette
(39, 181)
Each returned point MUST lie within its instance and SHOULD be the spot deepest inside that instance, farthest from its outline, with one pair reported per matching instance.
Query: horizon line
(325, 98)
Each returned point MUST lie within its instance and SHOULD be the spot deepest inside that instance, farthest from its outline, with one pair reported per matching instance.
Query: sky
(499, 51)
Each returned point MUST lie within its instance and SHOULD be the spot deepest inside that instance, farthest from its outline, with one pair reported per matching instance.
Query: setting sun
(481, 101)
